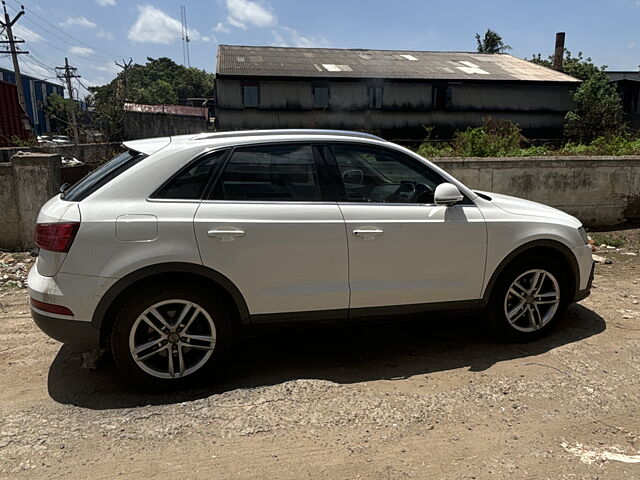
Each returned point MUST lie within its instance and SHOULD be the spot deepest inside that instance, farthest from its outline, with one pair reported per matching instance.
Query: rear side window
(190, 182)
(103, 175)
(269, 173)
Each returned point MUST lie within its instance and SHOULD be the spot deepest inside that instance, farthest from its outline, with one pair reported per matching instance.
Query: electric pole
(186, 61)
(13, 50)
(67, 73)
(125, 70)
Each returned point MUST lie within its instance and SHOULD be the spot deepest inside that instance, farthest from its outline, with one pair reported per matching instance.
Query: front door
(404, 249)
(267, 226)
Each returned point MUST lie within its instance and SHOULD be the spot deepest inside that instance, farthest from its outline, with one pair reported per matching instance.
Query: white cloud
(156, 26)
(77, 50)
(221, 27)
(246, 12)
(26, 34)
(109, 67)
(631, 45)
(105, 34)
(78, 21)
(296, 39)
(30, 68)
(106, 3)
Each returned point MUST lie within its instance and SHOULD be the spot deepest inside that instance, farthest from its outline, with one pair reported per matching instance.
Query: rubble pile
(14, 268)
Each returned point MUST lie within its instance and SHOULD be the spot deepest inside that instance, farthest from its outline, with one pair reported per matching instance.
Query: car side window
(372, 174)
(269, 173)
(190, 182)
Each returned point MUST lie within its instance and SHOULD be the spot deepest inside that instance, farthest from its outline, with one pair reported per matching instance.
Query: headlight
(583, 234)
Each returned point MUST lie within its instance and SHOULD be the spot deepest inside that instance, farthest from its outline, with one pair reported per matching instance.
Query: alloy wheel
(532, 300)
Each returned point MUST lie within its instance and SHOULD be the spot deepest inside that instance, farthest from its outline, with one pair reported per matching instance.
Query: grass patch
(608, 239)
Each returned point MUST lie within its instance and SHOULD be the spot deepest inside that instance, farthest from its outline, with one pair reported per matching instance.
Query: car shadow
(345, 354)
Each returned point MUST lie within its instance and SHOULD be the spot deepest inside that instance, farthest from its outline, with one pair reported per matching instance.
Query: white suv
(172, 249)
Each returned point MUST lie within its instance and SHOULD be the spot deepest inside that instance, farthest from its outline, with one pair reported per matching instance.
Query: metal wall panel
(511, 97)
(408, 96)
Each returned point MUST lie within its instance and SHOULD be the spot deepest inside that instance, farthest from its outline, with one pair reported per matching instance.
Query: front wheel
(168, 337)
(529, 299)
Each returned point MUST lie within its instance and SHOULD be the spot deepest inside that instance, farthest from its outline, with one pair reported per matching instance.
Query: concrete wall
(85, 152)
(25, 185)
(148, 125)
(600, 191)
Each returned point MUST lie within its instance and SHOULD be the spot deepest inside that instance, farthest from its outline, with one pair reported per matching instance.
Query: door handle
(226, 234)
(368, 233)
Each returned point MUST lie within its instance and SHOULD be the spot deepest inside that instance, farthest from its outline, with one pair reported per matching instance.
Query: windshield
(102, 175)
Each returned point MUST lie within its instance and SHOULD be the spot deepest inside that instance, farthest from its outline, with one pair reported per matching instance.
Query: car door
(268, 226)
(404, 249)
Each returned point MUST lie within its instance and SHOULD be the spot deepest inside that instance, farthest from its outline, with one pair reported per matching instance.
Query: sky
(94, 34)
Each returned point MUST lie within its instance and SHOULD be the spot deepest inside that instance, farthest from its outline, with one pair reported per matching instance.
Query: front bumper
(581, 294)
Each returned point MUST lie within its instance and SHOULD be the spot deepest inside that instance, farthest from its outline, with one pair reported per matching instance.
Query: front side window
(191, 181)
(250, 96)
(269, 173)
(371, 174)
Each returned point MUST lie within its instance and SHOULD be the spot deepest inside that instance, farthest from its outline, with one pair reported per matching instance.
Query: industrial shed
(395, 93)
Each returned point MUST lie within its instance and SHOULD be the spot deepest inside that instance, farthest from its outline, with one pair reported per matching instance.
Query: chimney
(558, 55)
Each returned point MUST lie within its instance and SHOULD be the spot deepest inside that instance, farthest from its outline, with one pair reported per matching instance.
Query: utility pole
(67, 73)
(186, 61)
(125, 70)
(13, 50)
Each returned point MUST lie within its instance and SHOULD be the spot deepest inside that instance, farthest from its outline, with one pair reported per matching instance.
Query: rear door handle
(226, 234)
(368, 233)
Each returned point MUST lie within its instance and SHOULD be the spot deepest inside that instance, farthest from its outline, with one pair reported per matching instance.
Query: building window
(320, 97)
(375, 98)
(441, 96)
(250, 96)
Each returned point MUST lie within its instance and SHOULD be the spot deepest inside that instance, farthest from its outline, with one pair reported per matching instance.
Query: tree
(159, 81)
(491, 43)
(597, 112)
(579, 67)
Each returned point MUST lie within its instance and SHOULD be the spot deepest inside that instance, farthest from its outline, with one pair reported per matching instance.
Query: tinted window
(271, 173)
(320, 97)
(250, 96)
(372, 174)
(102, 175)
(190, 182)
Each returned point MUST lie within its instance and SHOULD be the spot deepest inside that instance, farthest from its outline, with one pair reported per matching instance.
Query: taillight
(56, 237)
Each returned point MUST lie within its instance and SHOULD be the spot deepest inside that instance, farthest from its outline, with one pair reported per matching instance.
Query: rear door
(404, 249)
(269, 225)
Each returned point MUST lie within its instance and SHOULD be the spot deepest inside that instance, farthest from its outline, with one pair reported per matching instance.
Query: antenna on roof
(185, 37)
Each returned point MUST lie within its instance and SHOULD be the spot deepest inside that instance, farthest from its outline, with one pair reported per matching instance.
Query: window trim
(325, 185)
(187, 166)
(466, 201)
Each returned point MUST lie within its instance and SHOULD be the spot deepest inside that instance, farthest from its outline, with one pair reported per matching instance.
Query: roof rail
(300, 131)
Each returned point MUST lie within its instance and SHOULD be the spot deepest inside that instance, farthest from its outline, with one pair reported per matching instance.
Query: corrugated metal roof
(167, 109)
(396, 64)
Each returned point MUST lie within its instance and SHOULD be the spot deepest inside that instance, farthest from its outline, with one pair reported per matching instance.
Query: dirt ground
(436, 398)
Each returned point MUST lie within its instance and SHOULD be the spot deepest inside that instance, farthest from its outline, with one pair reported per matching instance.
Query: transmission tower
(185, 37)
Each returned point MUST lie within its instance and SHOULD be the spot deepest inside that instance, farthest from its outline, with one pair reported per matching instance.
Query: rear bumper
(67, 331)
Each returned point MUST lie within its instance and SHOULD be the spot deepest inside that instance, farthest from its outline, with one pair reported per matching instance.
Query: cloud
(631, 45)
(77, 50)
(26, 34)
(109, 67)
(156, 26)
(78, 21)
(246, 12)
(296, 39)
(105, 34)
(106, 3)
(221, 27)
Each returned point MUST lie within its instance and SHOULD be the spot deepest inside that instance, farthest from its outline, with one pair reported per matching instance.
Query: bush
(496, 138)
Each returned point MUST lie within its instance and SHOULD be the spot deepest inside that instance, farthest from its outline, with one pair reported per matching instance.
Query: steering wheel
(405, 193)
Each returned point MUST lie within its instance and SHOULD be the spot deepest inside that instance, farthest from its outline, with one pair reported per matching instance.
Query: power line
(67, 73)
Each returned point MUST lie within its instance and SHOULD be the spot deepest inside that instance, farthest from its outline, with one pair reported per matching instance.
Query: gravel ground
(436, 398)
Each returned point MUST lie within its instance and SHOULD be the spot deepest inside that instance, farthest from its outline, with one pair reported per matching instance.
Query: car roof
(210, 139)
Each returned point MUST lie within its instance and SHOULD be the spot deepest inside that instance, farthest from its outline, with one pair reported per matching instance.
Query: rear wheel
(529, 299)
(169, 337)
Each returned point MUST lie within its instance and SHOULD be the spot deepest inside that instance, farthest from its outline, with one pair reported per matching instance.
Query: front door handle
(368, 233)
(226, 234)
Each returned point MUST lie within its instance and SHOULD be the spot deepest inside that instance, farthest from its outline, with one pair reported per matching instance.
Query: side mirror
(353, 177)
(447, 194)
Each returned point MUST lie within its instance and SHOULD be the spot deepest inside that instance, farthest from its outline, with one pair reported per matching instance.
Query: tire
(176, 335)
(520, 311)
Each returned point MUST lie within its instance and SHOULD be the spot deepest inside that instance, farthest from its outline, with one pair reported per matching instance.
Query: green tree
(579, 67)
(597, 112)
(159, 81)
(491, 43)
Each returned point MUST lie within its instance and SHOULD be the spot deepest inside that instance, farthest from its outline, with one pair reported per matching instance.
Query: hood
(519, 206)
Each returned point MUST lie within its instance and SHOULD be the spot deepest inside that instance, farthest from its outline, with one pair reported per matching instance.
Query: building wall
(406, 107)
(147, 125)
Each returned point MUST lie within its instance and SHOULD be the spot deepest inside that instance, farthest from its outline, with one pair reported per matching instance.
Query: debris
(598, 258)
(592, 455)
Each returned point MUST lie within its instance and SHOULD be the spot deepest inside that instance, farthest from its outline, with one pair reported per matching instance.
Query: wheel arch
(552, 247)
(103, 316)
